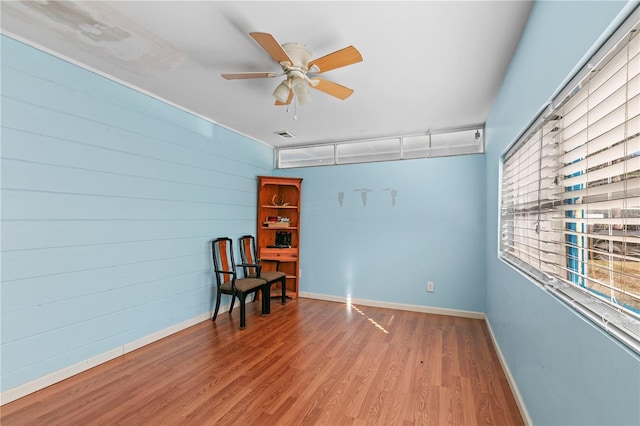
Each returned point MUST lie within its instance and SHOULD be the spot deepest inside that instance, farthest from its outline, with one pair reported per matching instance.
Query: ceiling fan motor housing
(299, 55)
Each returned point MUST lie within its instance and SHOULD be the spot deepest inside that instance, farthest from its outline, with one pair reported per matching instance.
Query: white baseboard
(399, 306)
(512, 383)
(57, 376)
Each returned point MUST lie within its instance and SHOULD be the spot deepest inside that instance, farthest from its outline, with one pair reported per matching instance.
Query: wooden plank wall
(109, 200)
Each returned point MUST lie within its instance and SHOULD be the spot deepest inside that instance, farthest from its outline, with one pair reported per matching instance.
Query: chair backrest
(248, 254)
(223, 263)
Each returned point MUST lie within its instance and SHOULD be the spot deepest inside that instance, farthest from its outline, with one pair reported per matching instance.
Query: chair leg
(215, 312)
(233, 299)
(266, 299)
(241, 298)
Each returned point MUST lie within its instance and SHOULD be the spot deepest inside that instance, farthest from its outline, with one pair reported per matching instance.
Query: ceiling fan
(296, 64)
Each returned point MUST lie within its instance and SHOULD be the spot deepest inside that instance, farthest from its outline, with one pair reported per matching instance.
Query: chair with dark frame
(224, 268)
(249, 257)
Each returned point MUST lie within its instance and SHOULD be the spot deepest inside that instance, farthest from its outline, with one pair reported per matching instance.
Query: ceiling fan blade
(271, 45)
(243, 75)
(340, 58)
(331, 88)
(289, 99)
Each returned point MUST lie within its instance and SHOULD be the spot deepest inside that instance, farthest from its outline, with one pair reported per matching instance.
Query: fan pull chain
(295, 109)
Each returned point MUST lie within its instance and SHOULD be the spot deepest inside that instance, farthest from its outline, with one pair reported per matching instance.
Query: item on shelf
(278, 201)
(276, 224)
(278, 219)
(283, 239)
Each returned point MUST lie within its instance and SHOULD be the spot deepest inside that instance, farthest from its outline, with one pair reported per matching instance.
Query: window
(367, 152)
(570, 191)
(459, 141)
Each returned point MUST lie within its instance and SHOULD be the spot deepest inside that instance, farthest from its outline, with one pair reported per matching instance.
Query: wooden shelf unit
(273, 193)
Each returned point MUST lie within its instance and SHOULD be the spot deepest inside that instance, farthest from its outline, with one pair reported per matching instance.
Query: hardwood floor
(309, 362)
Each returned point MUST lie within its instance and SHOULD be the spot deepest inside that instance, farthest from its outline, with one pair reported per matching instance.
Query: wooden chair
(224, 268)
(249, 257)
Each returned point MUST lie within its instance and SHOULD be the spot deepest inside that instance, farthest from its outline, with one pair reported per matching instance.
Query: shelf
(285, 190)
(279, 207)
(275, 228)
(275, 259)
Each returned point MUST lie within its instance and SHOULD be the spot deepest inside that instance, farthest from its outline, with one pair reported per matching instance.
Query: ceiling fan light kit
(282, 91)
(300, 89)
(296, 63)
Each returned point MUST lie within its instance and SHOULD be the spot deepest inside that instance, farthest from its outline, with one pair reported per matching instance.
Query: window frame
(373, 150)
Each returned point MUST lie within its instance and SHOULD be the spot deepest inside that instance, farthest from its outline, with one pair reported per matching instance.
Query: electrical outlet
(430, 287)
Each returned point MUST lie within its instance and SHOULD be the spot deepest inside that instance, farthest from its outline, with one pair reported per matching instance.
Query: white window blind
(570, 191)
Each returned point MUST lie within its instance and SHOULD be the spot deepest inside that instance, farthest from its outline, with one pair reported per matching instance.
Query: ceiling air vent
(284, 134)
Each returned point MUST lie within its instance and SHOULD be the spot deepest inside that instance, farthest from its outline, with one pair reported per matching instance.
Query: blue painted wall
(385, 252)
(109, 199)
(567, 370)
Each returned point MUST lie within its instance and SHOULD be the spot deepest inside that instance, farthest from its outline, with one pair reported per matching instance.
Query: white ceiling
(427, 65)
